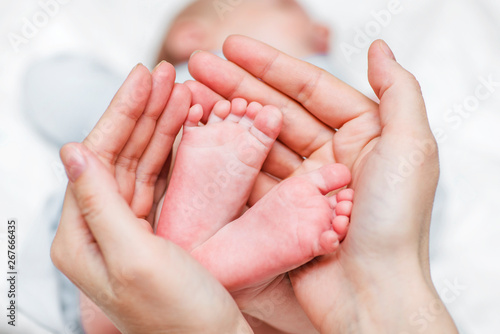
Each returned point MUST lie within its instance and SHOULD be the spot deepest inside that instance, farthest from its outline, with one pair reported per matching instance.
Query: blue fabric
(64, 96)
(46, 296)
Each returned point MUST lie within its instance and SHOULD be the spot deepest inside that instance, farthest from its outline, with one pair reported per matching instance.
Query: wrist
(277, 307)
(399, 303)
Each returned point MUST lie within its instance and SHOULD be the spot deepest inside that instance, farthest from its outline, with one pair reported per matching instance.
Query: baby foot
(287, 228)
(215, 169)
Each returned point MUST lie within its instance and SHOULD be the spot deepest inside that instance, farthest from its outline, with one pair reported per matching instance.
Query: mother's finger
(301, 131)
(163, 78)
(159, 148)
(263, 185)
(113, 225)
(281, 161)
(74, 250)
(203, 96)
(116, 125)
(326, 97)
(402, 107)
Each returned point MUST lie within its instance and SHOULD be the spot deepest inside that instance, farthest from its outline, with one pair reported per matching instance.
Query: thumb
(407, 140)
(402, 107)
(110, 219)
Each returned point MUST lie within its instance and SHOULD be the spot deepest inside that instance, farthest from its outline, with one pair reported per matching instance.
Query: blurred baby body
(205, 24)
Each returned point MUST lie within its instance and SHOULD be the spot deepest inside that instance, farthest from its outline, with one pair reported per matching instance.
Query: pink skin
(215, 169)
(290, 226)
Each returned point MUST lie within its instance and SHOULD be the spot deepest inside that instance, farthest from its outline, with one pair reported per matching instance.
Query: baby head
(205, 24)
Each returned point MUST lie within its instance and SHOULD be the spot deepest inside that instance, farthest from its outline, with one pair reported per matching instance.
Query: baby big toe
(219, 112)
(329, 243)
(238, 109)
(329, 178)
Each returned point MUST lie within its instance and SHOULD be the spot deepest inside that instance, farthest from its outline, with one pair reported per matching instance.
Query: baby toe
(267, 124)
(253, 109)
(238, 109)
(219, 112)
(329, 243)
(345, 195)
(343, 208)
(341, 224)
(194, 116)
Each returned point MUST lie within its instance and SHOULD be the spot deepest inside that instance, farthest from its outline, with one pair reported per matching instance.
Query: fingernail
(387, 50)
(133, 70)
(136, 67)
(73, 161)
(192, 54)
(159, 64)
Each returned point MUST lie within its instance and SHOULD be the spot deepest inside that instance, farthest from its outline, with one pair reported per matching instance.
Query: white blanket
(452, 47)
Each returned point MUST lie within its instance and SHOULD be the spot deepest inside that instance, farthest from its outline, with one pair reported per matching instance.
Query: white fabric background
(448, 44)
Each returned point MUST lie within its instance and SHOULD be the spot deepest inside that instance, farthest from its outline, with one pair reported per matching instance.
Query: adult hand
(379, 280)
(104, 245)
(308, 140)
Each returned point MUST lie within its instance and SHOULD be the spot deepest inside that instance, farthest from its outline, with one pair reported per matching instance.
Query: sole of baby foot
(215, 169)
(287, 228)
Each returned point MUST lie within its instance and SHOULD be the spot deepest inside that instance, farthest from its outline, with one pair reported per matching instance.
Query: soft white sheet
(451, 46)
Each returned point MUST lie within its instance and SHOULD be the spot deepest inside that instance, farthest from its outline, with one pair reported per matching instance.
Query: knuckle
(307, 89)
(129, 163)
(147, 178)
(434, 149)
(107, 296)
(56, 255)
(434, 155)
(413, 82)
(136, 269)
(425, 154)
(90, 206)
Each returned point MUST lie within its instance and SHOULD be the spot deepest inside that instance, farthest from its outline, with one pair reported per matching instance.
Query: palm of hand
(371, 140)
(387, 179)
(133, 141)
